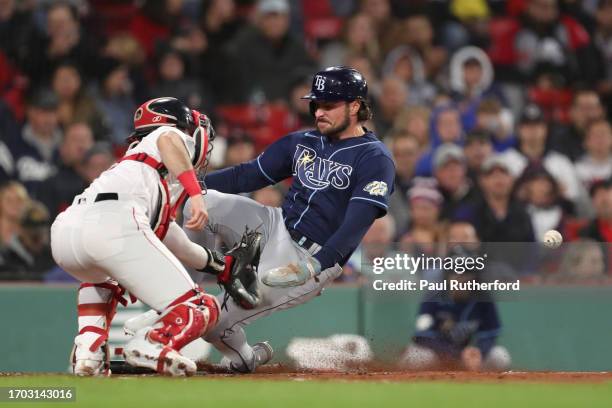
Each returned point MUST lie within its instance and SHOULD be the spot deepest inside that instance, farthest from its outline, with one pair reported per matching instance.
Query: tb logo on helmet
(319, 83)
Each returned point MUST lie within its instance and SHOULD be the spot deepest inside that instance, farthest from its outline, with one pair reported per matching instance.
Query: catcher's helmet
(169, 111)
(163, 112)
(338, 84)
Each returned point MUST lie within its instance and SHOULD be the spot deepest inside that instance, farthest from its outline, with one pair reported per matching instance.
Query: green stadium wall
(549, 328)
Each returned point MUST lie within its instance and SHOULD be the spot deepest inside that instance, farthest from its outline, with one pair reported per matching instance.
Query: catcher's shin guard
(97, 304)
(184, 320)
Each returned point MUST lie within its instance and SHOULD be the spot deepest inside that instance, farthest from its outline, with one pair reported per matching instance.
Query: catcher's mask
(203, 134)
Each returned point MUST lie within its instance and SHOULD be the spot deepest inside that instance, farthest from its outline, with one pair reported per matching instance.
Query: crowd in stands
(497, 112)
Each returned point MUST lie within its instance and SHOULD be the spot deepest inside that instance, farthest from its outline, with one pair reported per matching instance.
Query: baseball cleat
(86, 363)
(91, 368)
(262, 354)
(141, 352)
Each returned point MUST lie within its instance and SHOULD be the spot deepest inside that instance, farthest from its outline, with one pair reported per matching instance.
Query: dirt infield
(280, 372)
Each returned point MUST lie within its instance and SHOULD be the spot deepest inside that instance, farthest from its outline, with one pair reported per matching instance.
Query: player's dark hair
(365, 111)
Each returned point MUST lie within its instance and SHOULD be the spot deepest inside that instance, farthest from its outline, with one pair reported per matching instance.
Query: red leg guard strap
(94, 329)
(161, 360)
(94, 309)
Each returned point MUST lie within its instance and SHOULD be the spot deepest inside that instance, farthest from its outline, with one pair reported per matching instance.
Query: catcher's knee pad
(190, 316)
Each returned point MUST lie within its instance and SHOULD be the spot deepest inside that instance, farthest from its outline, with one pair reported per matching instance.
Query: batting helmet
(169, 111)
(339, 84)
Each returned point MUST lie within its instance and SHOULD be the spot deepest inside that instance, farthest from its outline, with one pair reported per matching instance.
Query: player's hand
(294, 274)
(199, 215)
(471, 358)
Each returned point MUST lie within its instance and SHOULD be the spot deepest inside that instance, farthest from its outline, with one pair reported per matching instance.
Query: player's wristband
(190, 182)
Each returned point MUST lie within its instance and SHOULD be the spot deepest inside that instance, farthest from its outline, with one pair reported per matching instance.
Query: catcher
(119, 235)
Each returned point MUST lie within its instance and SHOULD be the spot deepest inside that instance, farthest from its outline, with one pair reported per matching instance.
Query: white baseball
(552, 239)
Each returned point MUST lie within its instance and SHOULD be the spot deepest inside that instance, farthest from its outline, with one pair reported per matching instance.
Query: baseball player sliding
(119, 235)
(342, 178)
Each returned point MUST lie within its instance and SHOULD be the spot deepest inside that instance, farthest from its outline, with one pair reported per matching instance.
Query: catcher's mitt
(237, 270)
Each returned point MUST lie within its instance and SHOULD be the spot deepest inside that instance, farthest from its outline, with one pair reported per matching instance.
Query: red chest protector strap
(167, 212)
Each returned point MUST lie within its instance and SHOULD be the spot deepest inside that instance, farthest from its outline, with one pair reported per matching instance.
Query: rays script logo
(317, 173)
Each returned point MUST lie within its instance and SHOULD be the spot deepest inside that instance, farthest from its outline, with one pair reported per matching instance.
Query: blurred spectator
(362, 64)
(359, 38)
(534, 148)
(405, 151)
(64, 39)
(425, 205)
(391, 101)
(27, 255)
(596, 164)
(450, 171)
(7, 165)
(497, 216)
(569, 140)
(498, 122)
(266, 55)
(380, 13)
(417, 32)
(270, 196)
(544, 203)
(97, 159)
(543, 36)
(415, 120)
(9, 131)
(470, 24)
(15, 28)
(75, 103)
(600, 228)
(445, 128)
(298, 106)
(123, 47)
(478, 147)
(602, 39)
(35, 152)
(114, 99)
(61, 188)
(461, 233)
(155, 22)
(240, 148)
(220, 23)
(13, 200)
(582, 262)
(173, 81)
(471, 80)
(405, 64)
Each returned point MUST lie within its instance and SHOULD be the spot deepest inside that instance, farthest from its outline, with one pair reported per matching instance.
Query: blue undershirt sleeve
(270, 167)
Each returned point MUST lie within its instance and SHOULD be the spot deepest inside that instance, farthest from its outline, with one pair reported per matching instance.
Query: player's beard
(333, 132)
